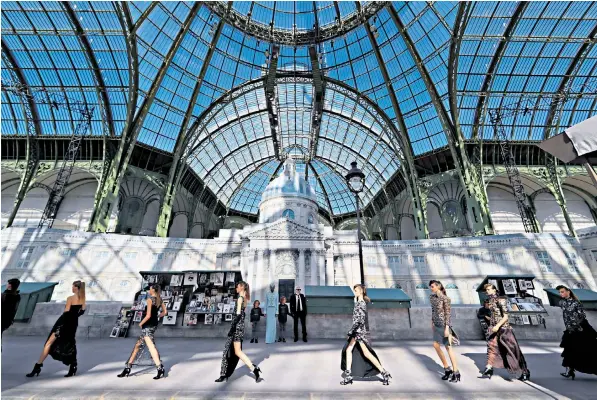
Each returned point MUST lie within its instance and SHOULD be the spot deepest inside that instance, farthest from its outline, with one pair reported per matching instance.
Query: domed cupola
(289, 196)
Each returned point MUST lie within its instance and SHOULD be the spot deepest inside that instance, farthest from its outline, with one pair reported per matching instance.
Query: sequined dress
(236, 334)
(579, 340)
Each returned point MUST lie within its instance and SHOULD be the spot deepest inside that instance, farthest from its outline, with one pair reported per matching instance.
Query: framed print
(170, 318)
(228, 317)
(114, 332)
(138, 316)
(190, 278)
(509, 286)
(209, 319)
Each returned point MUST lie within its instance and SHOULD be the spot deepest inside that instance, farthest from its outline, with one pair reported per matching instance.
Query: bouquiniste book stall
(524, 307)
(191, 297)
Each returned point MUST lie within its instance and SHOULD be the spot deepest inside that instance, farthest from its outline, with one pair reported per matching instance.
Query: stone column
(244, 259)
(250, 277)
(314, 267)
(301, 269)
(321, 264)
(258, 286)
(271, 269)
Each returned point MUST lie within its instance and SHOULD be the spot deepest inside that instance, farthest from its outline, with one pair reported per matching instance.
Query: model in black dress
(61, 343)
(363, 362)
(234, 343)
(148, 327)
(580, 339)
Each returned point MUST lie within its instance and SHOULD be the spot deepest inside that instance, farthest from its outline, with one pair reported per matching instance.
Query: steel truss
(295, 37)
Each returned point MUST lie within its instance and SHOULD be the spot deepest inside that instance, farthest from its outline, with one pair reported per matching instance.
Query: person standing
(441, 312)
(10, 303)
(256, 314)
(298, 310)
(363, 362)
(61, 343)
(283, 312)
(148, 327)
(503, 350)
(579, 340)
(271, 306)
(233, 348)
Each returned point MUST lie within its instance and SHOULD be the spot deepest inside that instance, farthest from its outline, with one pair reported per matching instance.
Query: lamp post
(355, 178)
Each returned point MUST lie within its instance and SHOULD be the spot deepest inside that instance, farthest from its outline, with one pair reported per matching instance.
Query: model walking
(148, 327)
(234, 344)
(363, 362)
(441, 312)
(503, 350)
(580, 339)
(61, 343)
(271, 306)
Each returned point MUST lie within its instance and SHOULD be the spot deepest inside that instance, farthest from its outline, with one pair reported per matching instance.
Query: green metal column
(111, 186)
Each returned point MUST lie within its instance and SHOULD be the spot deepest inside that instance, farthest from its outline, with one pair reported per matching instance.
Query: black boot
(526, 375)
(36, 371)
(284, 340)
(160, 372)
(347, 378)
(72, 371)
(488, 372)
(569, 374)
(257, 372)
(253, 340)
(386, 377)
(455, 376)
(125, 372)
(221, 379)
(447, 373)
(256, 340)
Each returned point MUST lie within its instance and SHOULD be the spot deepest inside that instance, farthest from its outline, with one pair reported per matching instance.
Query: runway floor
(290, 371)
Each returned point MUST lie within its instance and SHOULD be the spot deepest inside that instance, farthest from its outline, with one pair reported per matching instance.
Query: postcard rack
(191, 297)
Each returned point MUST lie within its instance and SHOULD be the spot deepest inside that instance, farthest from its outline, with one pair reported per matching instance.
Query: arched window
(310, 219)
(451, 286)
(421, 286)
(288, 213)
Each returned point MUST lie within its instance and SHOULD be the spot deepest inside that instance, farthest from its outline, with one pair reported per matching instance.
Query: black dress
(361, 366)
(236, 334)
(579, 340)
(64, 347)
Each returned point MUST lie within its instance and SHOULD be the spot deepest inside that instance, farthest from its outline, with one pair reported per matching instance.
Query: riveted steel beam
(109, 192)
(325, 193)
(269, 85)
(102, 95)
(178, 163)
(32, 120)
(317, 106)
(478, 208)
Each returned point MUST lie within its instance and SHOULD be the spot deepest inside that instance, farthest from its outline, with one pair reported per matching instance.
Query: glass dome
(326, 82)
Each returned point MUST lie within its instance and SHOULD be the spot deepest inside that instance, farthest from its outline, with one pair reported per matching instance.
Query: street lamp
(355, 178)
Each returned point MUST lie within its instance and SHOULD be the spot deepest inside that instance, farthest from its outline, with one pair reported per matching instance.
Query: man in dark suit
(298, 310)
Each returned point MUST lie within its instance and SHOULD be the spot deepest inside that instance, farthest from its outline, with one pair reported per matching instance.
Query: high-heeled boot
(36, 371)
(569, 374)
(161, 372)
(125, 372)
(455, 376)
(526, 375)
(222, 379)
(257, 372)
(488, 372)
(347, 378)
(447, 373)
(386, 377)
(72, 371)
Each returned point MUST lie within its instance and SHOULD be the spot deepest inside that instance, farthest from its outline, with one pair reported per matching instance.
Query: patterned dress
(503, 350)
(148, 329)
(361, 366)
(579, 340)
(236, 334)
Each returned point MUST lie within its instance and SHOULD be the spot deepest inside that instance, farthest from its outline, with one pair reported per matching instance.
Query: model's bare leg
(371, 357)
(239, 353)
(47, 347)
(349, 354)
(452, 358)
(153, 351)
(441, 355)
(135, 351)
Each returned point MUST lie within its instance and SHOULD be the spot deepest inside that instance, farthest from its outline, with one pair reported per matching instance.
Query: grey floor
(290, 371)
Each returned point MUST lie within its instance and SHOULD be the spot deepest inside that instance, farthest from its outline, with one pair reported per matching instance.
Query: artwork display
(170, 318)
(209, 319)
(509, 286)
(190, 278)
(138, 316)
(123, 322)
(176, 280)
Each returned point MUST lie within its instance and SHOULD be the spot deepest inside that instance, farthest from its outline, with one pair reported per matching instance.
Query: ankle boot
(125, 372)
(386, 377)
(569, 374)
(72, 371)
(36, 371)
(347, 378)
(257, 372)
(455, 376)
(222, 379)
(488, 372)
(447, 373)
(160, 372)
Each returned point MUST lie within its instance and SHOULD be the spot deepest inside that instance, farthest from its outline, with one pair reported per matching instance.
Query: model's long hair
(81, 286)
(247, 291)
(441, 286)
(364, 288)
(158, 294)
(572, 295)
(490, 285)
